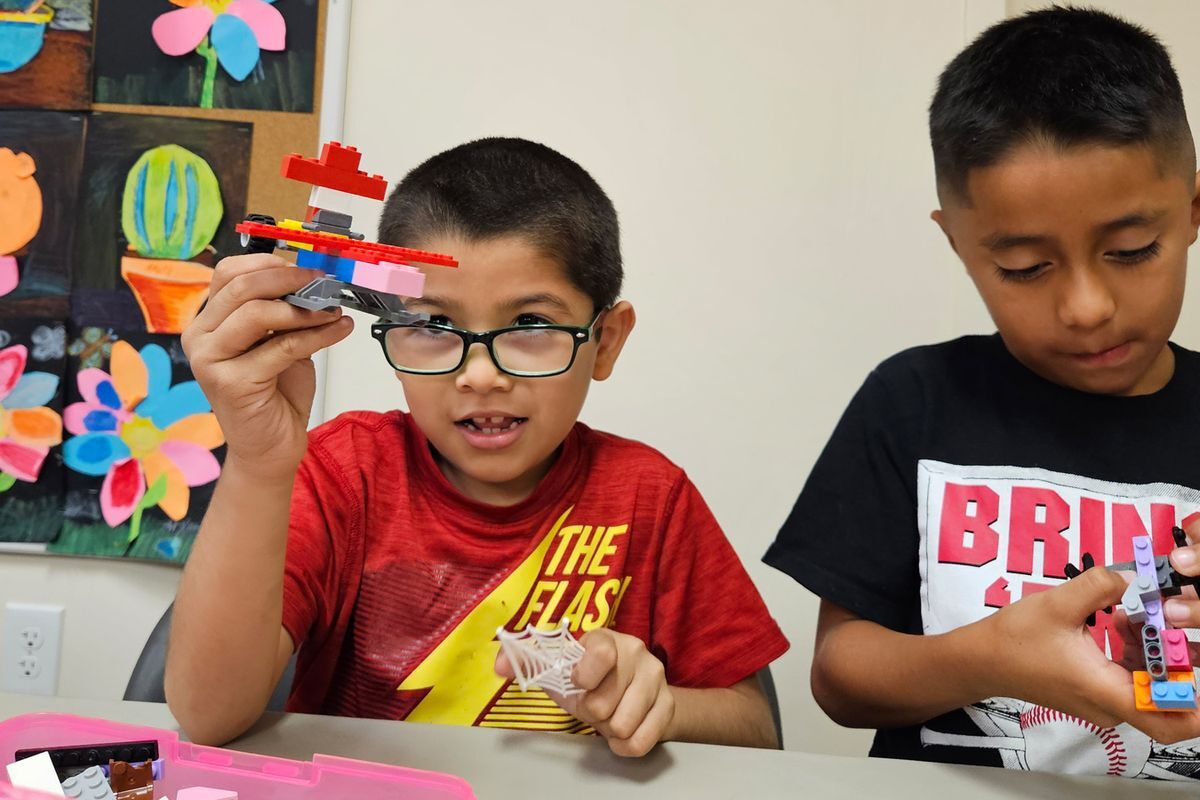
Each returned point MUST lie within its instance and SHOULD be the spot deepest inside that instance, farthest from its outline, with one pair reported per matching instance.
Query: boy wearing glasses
(388, 548)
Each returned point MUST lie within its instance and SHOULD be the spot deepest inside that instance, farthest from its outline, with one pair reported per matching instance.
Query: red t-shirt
(396, 583)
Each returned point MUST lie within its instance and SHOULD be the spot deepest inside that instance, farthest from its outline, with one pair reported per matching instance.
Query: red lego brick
(369, 252)
(332, 176)
(341, 156)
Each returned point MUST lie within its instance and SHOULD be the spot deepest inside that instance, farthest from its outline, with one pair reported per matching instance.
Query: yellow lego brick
(297, 225)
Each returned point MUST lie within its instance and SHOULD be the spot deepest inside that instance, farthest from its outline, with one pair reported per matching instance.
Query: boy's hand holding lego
(1039, 650)
(251, 352)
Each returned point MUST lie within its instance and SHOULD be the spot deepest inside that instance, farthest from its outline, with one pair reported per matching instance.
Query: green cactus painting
(172, 203)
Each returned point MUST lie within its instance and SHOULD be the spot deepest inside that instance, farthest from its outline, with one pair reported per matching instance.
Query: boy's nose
(1086, 301)
(479, 373)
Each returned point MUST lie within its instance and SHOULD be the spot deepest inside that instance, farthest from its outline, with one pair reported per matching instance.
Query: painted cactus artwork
(159, 198)
(170, 211)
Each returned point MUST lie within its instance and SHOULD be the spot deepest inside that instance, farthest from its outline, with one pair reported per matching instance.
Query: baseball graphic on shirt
(1053, 744)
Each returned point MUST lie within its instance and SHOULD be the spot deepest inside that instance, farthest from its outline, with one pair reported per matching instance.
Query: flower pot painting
(20, 211)
(22, 34)
(46, 54)
(170, 211)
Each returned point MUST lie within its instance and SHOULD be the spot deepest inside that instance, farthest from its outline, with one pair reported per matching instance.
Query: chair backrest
(767, 682)
(146, 681)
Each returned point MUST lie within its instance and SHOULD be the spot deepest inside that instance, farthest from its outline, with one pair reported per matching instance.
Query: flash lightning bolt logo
(459, 672)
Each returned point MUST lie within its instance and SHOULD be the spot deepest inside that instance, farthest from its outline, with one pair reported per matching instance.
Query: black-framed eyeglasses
(523, 351)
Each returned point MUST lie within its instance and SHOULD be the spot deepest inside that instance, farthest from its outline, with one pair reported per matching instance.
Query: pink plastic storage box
(253, 777)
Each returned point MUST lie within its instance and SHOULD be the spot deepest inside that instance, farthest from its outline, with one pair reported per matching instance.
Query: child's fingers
(254, 321)
(503, 667)
(265, 362)
(652, 730)
(1186, 560)
(267, 283)
(229, 268)
(1182, 612)
(599, 659)
(1079, 598)
(637, 699)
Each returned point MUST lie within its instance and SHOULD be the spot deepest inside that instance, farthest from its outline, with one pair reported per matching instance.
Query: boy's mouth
(491, 426)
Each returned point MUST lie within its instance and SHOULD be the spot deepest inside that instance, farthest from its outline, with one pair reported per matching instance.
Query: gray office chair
(768, 686)
(146, 682)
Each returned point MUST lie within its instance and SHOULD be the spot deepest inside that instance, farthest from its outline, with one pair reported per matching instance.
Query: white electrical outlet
(30, 649)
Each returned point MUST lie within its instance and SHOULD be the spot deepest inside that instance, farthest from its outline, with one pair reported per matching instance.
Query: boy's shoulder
(610, 452)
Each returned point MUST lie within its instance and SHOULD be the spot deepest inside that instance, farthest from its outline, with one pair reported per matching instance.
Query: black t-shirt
(958, 481)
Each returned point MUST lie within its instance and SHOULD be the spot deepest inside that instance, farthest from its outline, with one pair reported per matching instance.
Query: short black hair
(498, 187)
(1065, 76)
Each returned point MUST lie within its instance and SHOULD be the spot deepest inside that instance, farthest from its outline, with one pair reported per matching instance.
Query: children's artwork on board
(32, 366)
(159, 200)
(142, 451)
(46, 54)
(250, 54)
(41, 154)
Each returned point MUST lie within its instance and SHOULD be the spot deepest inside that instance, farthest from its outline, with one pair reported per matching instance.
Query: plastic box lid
(253, 777)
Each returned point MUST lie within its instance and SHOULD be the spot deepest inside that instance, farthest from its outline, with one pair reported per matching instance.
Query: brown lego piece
(130, 779)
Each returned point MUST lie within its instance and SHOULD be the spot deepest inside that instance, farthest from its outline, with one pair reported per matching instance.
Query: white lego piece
(37, 774)
(543, 659)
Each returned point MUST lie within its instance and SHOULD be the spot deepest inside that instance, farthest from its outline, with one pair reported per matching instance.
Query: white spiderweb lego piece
(543, 659)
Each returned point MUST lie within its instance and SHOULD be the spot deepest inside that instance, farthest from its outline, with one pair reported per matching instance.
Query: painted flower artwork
(231, 33)
(150, 441)
(28, 429)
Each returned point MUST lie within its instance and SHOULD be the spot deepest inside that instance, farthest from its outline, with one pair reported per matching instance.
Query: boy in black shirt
(965, 476)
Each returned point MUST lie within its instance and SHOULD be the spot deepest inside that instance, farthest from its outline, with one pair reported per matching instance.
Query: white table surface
(499, 763)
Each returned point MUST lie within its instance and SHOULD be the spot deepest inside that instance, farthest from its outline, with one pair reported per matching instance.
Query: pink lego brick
(390, 278)
(205, 793)
(1176, 650)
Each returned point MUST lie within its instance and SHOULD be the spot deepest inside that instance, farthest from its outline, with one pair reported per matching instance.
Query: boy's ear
(611, 334)
(939, 216)
(1195, 208)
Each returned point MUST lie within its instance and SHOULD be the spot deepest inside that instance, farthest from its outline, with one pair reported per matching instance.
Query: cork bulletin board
(134, 135)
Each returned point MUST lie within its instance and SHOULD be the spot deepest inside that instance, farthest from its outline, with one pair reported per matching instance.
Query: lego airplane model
(360, 275)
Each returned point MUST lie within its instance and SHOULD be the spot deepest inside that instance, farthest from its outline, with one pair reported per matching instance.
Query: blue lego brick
(340, 268)
(1173, 694)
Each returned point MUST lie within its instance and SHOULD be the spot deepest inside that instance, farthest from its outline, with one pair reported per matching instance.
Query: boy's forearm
(225, 633)
(867, 676)
(739, 716)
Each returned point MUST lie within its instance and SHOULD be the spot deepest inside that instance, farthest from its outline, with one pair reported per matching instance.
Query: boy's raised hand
(626, 697)
(251, 353)
(1040, 651)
